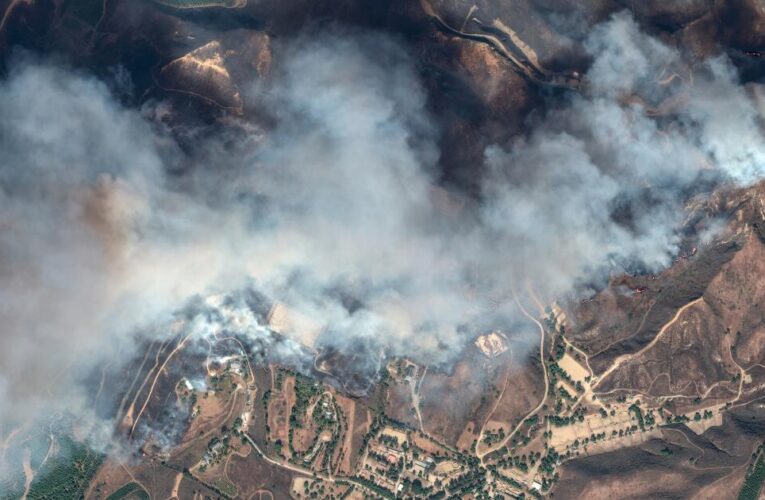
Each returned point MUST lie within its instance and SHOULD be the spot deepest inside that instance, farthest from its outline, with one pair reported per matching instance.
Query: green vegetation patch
(753, 483)
(67, 474)
(305, 390)
(226, 487)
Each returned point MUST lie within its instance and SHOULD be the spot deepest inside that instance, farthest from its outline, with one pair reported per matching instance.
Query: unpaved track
(494, 409)
(295, 468)
(180, 346)
(529, 67)
(415, 385)
(29, 474)
(176, 486)
(9, 10)
(628, 357)
(544, 370)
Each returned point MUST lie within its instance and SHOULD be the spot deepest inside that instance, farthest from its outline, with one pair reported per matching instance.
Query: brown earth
(279, 411)
(399, 405)
(450, 401)
(252, 474)
(357, 421)
(524, 390)
(641, 472)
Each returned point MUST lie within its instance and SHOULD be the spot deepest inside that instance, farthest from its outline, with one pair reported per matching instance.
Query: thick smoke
(336, 211)
(93, 244)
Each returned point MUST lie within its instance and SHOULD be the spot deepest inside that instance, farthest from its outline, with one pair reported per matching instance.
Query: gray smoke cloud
(94, 243)
(336, 211)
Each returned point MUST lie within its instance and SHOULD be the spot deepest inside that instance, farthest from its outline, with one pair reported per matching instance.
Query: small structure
(420, 466)
(236, 367)
(560, 316)
(492, 344)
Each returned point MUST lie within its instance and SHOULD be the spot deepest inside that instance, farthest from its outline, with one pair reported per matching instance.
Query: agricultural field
(753, 483)
(66, 475)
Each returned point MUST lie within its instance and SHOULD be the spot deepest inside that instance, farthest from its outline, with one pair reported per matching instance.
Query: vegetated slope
(754, 479)
(68, 474)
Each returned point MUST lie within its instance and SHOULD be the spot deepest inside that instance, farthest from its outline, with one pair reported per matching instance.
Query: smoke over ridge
(337, 212)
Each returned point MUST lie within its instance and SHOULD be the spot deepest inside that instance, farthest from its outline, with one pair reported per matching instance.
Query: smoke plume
(336, 210)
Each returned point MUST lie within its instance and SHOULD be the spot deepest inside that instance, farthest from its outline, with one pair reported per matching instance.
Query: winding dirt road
(544, 370)
(628, 357)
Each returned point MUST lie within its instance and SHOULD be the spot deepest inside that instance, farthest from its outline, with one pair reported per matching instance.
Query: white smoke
(335, 212)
